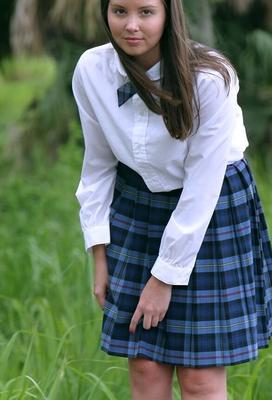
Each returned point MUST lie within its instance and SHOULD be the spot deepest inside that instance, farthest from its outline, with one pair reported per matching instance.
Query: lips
(133, 40)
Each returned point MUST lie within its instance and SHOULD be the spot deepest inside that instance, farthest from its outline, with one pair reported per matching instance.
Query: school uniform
(187, 212)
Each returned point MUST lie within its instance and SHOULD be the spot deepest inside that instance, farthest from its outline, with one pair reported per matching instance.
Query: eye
(119, 11)
(146, 12)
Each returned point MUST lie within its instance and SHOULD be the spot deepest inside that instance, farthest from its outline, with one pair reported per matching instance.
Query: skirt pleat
(224, 315)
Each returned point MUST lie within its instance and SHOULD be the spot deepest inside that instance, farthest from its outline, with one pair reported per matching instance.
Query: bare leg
(150, 380)
(202, 383)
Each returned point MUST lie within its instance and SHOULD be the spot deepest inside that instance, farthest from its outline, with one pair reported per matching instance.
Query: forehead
(137, 3)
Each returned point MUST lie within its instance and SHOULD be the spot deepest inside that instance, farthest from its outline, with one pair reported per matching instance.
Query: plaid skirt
(224, 315)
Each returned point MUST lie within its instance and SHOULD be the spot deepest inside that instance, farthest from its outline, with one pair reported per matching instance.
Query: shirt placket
(139, 140)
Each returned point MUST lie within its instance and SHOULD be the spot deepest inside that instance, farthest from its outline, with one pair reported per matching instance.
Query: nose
(132, 24)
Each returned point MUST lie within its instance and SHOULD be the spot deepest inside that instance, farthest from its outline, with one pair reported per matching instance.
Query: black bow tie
(125, 92)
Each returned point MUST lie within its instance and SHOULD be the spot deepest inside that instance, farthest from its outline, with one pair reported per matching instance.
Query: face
(137, 27)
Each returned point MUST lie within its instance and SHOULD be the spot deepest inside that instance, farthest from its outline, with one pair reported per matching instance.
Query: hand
(101, 276)
(153, 304)
(100, 287)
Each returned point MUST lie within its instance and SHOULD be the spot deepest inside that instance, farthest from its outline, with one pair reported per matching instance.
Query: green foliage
(264, 184)
(23, 83)
(259, 52)
(249, 46)
(199, 20)
(47, 123)
(37, 107)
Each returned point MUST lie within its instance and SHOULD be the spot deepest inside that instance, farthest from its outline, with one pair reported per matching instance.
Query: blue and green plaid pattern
(225, 314)
(125, 92)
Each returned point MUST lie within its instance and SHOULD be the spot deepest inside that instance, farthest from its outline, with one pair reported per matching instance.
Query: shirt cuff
(172, 274)
(96, 235)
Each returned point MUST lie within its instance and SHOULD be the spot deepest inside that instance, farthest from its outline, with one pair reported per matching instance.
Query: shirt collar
(153, 73)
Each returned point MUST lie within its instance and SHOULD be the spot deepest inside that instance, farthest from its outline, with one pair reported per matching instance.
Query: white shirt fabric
(138, 138)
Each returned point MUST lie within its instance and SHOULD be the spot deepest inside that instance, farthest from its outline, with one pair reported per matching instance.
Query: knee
(148, 372)
(202, 382)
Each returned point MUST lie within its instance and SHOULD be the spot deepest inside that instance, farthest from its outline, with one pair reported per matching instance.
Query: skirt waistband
(132, 177)
(135, 180)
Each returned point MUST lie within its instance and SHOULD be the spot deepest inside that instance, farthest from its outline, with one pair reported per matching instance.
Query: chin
(132, 52)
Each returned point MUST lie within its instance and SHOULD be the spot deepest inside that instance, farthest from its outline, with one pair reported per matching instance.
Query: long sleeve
(95, 189)
(205, 167)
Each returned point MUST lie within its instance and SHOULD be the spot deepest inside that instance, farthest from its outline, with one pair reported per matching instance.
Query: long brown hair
(181, 59)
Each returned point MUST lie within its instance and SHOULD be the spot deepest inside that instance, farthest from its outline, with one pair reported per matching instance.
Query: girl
(169, 208)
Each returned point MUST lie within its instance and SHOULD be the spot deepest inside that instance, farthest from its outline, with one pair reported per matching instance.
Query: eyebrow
(112, 3)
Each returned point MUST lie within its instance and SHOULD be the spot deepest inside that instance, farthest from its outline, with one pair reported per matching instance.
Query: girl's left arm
(205, 167)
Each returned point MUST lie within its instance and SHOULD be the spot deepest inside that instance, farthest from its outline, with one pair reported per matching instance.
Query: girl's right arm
(96, 186)
(100, 284)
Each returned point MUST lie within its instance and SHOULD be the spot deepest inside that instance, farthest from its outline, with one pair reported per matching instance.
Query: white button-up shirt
(138, 138)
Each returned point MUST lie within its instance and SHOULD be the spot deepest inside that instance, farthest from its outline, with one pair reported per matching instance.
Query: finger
(161, 317)
(135, 319)
(154, 322)
(147, 321)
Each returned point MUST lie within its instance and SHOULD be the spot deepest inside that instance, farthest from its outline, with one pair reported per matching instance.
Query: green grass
(50, 323)
(49, 320)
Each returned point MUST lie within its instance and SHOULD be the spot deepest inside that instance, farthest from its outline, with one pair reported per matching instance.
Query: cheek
(156, 30)
(113, 25)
